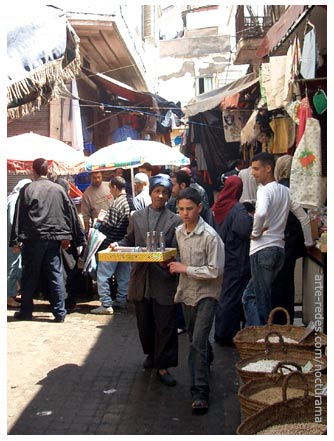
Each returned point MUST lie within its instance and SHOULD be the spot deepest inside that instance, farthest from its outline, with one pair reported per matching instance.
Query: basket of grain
(305, 415)
(251, 340)
(275, 361)
(257, 394)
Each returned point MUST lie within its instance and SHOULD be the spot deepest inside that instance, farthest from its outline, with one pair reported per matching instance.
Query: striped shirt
(116, 221)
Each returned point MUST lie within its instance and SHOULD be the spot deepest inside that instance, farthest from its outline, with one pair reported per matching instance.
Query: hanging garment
(200, 158)
(309, 55)
(273, 81)
(250, 131)
(284, 134)
(233, 122)
(320, 101)
(307, 186)
(292, 69)
(292, 110)
(304, 112)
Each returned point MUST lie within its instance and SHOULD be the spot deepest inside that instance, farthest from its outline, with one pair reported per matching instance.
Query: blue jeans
(42, 259)
(199, 321)
(256, 299)
(104, 271)
(14, 272)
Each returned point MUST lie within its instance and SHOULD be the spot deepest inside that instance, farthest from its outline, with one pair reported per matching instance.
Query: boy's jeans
(256, 299)
(199, 321)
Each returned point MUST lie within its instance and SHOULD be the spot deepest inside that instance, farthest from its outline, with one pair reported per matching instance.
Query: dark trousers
(157, 326)
(42, 258)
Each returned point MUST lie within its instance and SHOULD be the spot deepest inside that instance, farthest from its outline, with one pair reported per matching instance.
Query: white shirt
(272, 209)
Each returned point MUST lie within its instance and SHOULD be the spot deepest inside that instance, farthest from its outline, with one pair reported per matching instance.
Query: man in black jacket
(43, 224)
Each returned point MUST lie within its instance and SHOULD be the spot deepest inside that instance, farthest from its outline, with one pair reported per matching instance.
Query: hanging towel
(309, 55)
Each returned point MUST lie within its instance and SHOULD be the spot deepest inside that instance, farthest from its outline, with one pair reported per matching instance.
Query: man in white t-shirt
(267, 239)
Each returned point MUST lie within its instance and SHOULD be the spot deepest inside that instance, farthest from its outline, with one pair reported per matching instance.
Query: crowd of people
(235, 258)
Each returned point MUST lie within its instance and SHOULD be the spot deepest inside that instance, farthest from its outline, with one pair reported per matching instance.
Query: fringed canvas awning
(42, 55)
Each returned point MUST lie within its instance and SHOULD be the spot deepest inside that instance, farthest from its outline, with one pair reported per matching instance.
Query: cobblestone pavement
(85, 377)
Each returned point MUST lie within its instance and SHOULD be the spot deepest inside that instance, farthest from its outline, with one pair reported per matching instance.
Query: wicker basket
(294, 412)
(247, 344)
(284, 355)
(262, 392)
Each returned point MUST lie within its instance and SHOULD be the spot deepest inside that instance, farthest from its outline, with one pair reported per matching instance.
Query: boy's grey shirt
(202, 251)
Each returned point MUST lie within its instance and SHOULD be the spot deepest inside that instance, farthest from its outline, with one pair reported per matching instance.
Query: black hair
(249, 206)
(118, 181)
(266, 159)
(40, 166)
(191, 194)
(182, 176)
(147, 166)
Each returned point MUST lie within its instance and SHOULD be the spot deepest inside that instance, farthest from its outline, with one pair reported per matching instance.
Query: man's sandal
(199, 406)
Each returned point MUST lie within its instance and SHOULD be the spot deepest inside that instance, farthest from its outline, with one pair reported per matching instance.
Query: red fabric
(74, 191)
(304, 111)
(227, 198)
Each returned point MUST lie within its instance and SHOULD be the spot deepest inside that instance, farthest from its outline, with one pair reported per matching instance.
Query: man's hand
(16, 249)
(65, 243)
(177, 267)
(113, 246)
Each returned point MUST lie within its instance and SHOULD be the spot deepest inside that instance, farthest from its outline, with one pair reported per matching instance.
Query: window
(203, 85)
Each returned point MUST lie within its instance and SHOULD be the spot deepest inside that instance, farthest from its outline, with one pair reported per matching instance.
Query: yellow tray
(131, 254)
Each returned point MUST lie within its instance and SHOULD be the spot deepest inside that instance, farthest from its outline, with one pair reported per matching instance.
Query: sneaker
(102, 310)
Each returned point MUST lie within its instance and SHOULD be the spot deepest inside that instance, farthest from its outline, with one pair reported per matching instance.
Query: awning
(42, 55)
(120, 89)
(282, 29)
(212, 99)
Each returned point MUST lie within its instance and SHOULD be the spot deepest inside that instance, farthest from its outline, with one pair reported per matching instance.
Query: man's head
(240, 164)
(140, 181)
(146, 168)
(96, 178)
(40, 167)
(190, 206)
(160, 190)
(117, 185)
(263, 165)
(119, 172)
(180, 181)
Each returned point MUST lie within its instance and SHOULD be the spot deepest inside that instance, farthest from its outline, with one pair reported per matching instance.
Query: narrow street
(85, 377)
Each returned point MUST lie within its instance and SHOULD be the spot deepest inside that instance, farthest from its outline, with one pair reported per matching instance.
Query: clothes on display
(306, 181)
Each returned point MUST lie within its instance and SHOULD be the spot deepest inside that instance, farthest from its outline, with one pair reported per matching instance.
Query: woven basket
(247, 344)
(292, 411)
(258, 394)
(284, 355)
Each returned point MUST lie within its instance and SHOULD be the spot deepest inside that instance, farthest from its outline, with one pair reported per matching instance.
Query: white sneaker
(103, 310)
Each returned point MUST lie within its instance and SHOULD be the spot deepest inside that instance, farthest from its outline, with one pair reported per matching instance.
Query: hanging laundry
(284, 134)
(307, 186)
(320, 101)
(292, 69)
(273, 81)
(304, 112)
(233, 122)
(309, 55)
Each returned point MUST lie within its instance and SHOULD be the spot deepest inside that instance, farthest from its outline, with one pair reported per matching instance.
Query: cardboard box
(131, 254)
